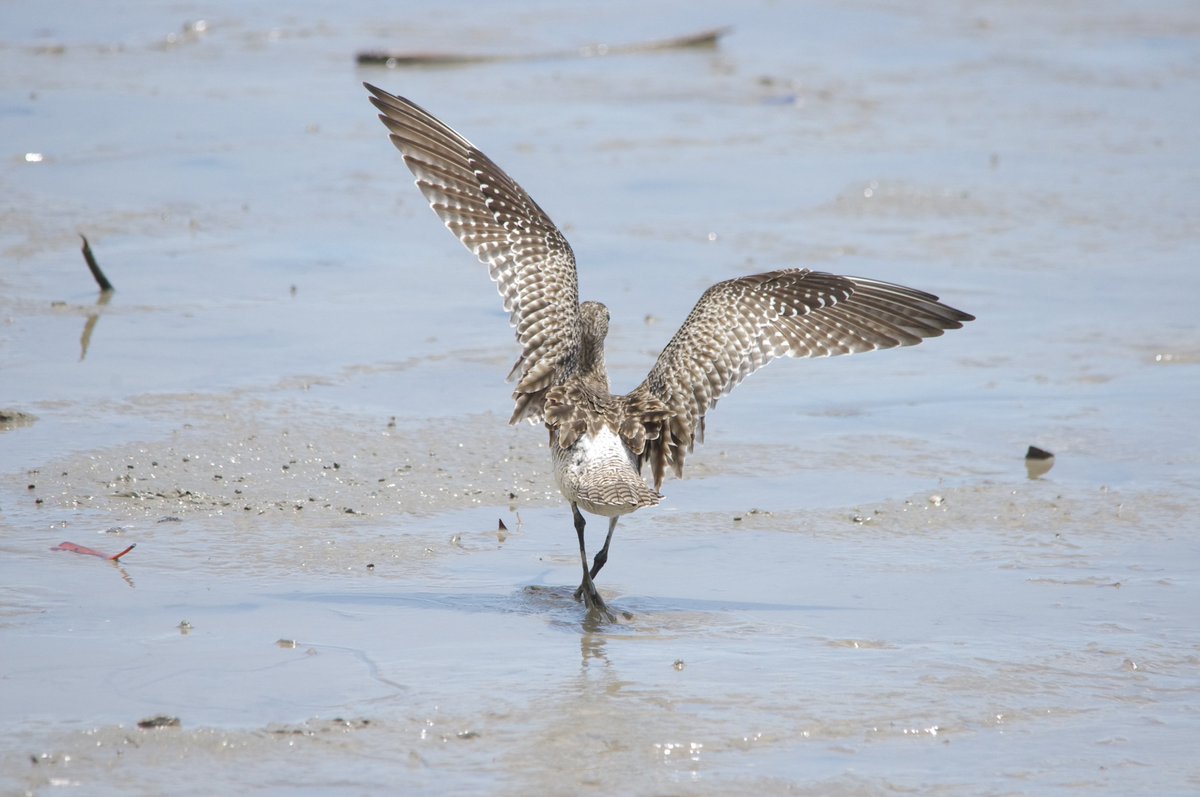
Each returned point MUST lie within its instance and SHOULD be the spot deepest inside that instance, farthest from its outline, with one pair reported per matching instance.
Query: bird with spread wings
(601, 442)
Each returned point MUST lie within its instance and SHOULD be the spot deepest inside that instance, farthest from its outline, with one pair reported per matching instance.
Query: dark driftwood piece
(707, 38)
(101, 280)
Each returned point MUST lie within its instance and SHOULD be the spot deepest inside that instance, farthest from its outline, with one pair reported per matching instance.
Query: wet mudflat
(293, 405)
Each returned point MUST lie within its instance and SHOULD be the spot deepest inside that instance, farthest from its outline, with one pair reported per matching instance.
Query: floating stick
(73, 548)
(707, 38)
(101, 280)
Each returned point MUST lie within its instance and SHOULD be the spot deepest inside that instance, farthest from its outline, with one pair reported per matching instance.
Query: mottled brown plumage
(600, 441)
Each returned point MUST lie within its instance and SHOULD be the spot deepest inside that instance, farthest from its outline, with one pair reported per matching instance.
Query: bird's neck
(591, 364)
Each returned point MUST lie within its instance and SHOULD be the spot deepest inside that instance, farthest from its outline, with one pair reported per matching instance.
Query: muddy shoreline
(293, 404)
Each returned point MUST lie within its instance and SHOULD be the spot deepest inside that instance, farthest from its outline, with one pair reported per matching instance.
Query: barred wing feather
(527, 256)
(740, 325)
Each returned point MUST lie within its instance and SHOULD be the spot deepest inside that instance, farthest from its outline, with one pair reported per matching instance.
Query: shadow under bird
(601, 442)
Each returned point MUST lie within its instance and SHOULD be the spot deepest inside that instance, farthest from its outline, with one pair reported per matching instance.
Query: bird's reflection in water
(592, 643)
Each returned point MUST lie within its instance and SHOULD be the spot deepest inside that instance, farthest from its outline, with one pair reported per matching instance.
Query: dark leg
(602, 556)
(587, 590)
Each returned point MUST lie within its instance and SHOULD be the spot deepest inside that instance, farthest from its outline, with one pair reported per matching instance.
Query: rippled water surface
(293, 404)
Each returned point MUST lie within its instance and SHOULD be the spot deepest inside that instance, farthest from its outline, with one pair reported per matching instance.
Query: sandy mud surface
(293, 407)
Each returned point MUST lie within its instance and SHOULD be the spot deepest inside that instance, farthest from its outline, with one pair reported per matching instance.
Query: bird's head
(594, 318)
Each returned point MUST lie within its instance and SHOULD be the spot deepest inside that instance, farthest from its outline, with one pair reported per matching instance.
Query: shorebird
(599, 441)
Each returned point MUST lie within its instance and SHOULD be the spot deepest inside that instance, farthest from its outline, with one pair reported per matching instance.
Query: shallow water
(293, 406)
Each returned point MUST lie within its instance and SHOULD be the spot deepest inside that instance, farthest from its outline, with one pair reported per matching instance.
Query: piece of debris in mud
(11, 419)
(1038, 462)
(315, 727)
(762, 512)
(161, 721)
(706, 38)
(73, 548)
(94, 267)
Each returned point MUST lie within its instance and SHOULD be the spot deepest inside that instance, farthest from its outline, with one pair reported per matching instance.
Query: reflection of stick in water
(89, 326)
(101, 280)
(706, 38)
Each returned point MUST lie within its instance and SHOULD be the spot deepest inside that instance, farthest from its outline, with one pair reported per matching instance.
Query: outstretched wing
(528, 258)
(740, 325)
